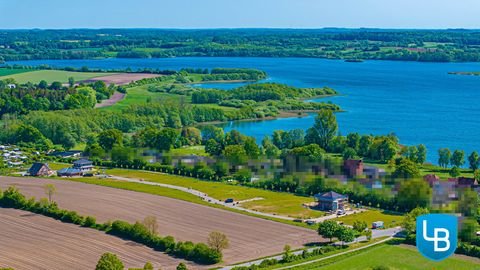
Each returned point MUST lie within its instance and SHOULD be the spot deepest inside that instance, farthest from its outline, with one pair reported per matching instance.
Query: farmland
(249, 237)
(397, 257)
(53, 75)
(31, 241)
(291, 205)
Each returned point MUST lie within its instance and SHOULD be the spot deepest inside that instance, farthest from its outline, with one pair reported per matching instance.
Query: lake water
(419, 102)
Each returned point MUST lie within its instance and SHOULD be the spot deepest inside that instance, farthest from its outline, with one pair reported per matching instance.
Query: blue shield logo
(437, 235)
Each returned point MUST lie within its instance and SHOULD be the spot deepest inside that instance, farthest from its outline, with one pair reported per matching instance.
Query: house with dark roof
(353, 167)
(331, 201)
(39, 169)
(69, 172)
(84, 165)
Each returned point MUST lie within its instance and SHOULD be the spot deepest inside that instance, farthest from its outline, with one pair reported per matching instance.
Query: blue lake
(419, 102)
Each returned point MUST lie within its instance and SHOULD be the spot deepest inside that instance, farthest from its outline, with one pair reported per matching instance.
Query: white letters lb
(436, 238)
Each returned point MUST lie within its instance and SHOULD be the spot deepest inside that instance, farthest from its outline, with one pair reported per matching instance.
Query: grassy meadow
(389, 219)
(396, 257)
(8, 72)
(280, 203)
(52, 75)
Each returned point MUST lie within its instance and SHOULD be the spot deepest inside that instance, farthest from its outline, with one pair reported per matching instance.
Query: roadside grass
(170, 193)
(280, 203)
(12, 71)
(390, 219)
(53, 75)
(396, 257)
(344, 249)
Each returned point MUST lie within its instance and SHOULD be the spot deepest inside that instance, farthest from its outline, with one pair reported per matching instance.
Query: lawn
(53, 75)
(11, 71)
(389, 219)
(273, 202)
(140, 95)
(198, 150)
(396, 257)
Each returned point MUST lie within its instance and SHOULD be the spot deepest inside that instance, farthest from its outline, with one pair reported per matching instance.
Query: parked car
(377, 225)
(311, 222)
(340, 212)
(229, 200)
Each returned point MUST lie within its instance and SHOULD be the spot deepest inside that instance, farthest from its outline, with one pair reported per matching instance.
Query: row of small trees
(457, 158)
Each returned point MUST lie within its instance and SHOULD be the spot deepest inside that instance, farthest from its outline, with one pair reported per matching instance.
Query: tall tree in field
(151, 224)
(324, 129)
(458, 158)
(109, 261)
(444, 156)
(474, 160)
(217, 241)
(50, 190)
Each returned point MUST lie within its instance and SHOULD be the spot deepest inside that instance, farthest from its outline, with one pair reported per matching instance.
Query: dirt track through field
(30, 241)
(250, 237)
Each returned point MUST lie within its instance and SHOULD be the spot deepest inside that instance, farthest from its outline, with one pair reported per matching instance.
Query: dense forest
(384, 44)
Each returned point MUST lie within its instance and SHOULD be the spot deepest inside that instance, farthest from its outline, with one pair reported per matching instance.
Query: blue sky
(239, 13)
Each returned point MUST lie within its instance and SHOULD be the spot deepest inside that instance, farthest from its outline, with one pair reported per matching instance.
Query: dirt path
(116, 97)
(250, 237)
(30, 241)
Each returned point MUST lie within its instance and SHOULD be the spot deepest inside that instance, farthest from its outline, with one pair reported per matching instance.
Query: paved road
(375, 234)
(235, 205)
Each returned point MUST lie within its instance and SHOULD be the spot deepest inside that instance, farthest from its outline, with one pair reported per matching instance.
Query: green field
(53, 75)
(140, 95)
(396, 257)
(389, 219)
(8, 71)
(280, 203)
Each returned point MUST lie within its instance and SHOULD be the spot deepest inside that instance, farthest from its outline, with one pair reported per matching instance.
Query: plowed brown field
(250, 237)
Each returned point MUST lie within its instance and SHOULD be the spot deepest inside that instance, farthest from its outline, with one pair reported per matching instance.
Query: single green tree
(324, 129)
(458, 158)
(474, 160)
(444, 156)
(182, 266)
(109, 261)
(328, 229)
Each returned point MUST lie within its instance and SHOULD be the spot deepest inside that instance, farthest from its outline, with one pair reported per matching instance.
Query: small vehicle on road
(229, 200)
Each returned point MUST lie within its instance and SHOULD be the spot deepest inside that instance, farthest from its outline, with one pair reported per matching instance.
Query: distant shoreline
(465, 73)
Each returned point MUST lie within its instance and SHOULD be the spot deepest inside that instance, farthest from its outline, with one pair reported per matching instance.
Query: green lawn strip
(12, 71)
(394, 256)
(53, 75)
(390, 219)
(346, 248)
(198, 150)
(280, 203)
(171, 193)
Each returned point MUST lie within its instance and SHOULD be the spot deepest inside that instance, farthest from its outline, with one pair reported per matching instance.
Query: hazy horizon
(230, 14)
